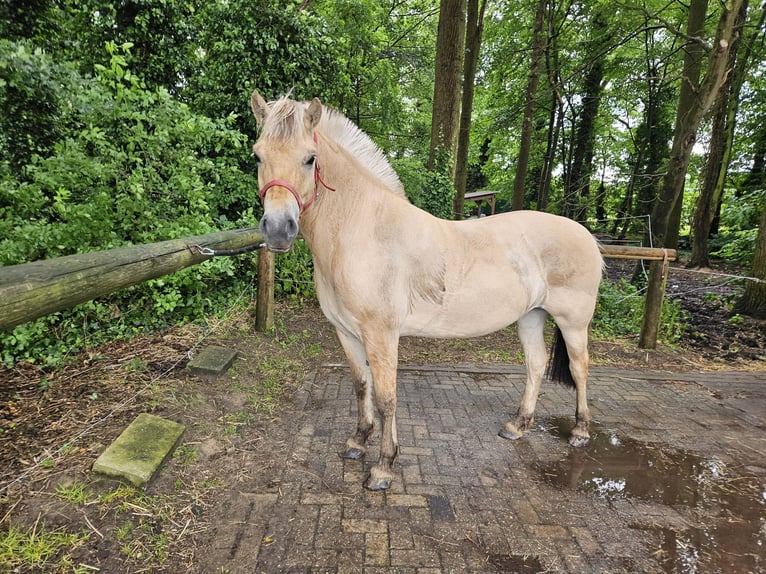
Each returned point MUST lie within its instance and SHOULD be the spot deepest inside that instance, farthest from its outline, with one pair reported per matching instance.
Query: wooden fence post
(264, 305)
(658, 276)
(655, 293)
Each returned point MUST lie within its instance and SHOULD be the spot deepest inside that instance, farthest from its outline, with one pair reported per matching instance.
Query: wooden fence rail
(31, 290)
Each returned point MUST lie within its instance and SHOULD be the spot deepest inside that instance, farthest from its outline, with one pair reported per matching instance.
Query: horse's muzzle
(279, 231)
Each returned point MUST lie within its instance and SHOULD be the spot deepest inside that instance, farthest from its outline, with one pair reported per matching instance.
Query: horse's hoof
(510, 432)
(377, 484)
(578, 440)
(352, 454)
(380, 478)
(506, 434)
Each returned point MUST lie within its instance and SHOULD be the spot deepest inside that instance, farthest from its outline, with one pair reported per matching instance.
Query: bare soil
(54, 424)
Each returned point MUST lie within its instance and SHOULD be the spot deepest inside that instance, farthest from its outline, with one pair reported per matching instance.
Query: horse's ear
(259, 106)
(313, 114)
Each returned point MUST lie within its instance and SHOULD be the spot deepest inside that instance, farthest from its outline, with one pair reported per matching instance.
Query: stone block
(213, 360)
(140, 450)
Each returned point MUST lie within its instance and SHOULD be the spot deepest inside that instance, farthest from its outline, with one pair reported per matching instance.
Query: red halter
(289, 187)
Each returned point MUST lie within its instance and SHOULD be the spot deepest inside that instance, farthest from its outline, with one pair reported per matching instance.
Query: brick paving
(466, 500)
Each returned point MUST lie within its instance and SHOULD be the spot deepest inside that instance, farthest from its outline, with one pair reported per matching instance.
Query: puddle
(731, 506)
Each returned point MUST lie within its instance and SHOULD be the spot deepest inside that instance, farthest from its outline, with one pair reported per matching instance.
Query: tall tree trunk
(577, 188)
(722, 138)
(694, 101)
(555, 121)
(556, 114)
(474, 28)
(753, 300)
(450, 40)
(528, 120)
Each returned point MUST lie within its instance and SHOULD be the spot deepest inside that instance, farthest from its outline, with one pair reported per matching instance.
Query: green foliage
(431, 190)
(33, 100)
(270, 46)
(163, 34)
(738, 228)
(737, 246)
(620, 309)
(132, 165)
(293, 273)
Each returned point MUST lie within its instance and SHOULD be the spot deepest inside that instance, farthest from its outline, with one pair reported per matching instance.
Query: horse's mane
(285, 121)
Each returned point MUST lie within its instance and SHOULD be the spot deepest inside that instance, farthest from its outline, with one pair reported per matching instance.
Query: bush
(132, 166)
(431, 190)
(620, 309)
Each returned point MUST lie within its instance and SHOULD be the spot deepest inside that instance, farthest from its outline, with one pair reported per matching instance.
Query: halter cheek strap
(289, 187)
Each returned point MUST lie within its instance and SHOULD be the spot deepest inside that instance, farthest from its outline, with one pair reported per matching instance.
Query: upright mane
(285, 121)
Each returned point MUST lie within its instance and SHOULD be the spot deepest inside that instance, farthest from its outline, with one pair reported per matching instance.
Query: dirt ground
(54, 424)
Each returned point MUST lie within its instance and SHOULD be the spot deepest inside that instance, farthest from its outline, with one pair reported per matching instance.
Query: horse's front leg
(381, 346)
(356, 445)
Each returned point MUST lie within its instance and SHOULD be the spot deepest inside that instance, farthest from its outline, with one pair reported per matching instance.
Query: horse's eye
(257, 157)
(310, 160)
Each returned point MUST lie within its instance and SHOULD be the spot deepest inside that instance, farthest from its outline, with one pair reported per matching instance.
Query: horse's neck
(357, 199)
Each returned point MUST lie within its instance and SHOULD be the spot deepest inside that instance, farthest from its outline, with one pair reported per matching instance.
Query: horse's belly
(467, 320)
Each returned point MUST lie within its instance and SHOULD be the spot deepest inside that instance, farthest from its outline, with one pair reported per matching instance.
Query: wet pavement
(674, 480)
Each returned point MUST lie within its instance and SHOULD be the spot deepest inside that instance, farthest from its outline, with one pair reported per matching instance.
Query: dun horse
(384, 268)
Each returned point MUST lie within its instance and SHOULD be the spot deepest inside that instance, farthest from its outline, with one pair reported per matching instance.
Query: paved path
(468, 501)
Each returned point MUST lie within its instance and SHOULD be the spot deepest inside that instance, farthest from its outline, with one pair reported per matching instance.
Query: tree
(474, 27)
(721, 142)
(246, 44)
(530, 97)
(450, 42)
(577, 184)
(694, 101)
(753, 299)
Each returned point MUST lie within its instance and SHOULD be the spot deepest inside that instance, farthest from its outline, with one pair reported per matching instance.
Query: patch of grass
(185, 456)
(38, 548)
(74, 494)
(122, 492)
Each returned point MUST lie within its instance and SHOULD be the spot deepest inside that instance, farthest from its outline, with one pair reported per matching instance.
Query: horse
(384, 268)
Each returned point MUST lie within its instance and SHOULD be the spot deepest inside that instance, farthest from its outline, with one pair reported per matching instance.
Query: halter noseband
(289, 187)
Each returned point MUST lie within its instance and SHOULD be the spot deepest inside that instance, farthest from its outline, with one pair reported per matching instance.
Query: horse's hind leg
(356, 445)
(530, 328)
(576, 338)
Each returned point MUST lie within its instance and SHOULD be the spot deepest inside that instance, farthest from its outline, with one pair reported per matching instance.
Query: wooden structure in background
(483, 195)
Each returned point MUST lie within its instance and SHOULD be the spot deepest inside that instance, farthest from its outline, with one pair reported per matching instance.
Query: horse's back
(555, 241)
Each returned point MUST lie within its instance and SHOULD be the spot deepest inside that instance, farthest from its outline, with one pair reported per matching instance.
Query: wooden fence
(32, 290)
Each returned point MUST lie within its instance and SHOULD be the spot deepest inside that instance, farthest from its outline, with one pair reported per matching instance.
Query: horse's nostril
(264, 225)
(292, 227)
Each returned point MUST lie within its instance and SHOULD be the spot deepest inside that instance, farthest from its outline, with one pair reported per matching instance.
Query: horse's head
(287, 168)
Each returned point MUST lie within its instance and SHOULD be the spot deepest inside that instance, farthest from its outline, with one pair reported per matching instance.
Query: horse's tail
(558, 364)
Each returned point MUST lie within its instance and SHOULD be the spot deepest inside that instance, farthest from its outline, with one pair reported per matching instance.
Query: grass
(74, 494)
(145, 526)
(39, 548)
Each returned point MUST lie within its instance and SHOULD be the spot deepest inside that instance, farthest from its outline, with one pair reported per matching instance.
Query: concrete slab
(213, 360)
(140, 450)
